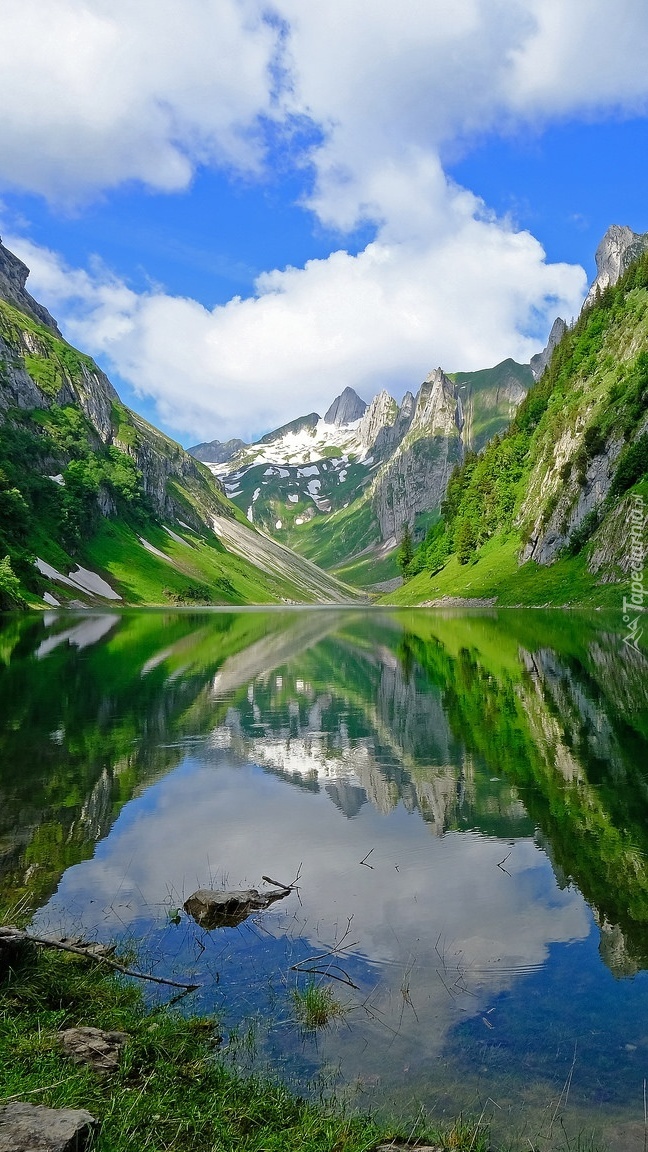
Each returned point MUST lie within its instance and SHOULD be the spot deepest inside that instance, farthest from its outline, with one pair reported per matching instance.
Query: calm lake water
(462, 800)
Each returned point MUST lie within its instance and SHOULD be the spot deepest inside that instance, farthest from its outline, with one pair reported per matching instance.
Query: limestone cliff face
(414, 479)
(165, 467)
(346, 408)
(618, 248)
(378, 418)
(572, 499)
(539, 362)
(35, 375)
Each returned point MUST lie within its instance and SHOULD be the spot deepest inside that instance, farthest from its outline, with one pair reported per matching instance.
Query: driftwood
(11, 937)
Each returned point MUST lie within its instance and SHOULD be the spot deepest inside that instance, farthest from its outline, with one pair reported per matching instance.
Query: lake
(459, 798)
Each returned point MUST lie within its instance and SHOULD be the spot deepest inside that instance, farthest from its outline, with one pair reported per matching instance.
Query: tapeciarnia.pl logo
(633, 605)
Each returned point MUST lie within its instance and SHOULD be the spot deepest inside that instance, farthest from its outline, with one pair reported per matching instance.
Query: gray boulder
(94, 1047)
(213, 909)
(35, 1128)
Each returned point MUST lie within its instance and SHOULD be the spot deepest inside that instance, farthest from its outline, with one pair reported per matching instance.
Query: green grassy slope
(489, 398)
(550, 486)
(84, 481)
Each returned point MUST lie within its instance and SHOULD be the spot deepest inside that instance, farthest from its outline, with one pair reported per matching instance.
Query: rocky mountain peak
(216, 451)
(618, 248)
(346, 408)
(539, 362)
(13, 277)
(438, 407)
(380, 414)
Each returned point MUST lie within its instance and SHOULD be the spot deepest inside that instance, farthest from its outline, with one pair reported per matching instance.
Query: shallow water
(461, 799)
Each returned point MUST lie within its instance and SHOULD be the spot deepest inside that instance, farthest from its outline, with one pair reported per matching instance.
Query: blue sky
(240, 208)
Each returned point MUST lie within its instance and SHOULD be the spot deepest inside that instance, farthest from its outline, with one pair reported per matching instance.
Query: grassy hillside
(538, 516)
(87, 484)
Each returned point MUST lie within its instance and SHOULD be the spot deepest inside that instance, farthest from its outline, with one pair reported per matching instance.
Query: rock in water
(35, 1128)
(227, 909)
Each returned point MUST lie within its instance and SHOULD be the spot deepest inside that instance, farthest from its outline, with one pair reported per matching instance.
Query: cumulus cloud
(382, 318)
(95, 96)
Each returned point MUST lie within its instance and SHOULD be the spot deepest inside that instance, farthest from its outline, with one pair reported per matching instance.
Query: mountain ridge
(98, 506)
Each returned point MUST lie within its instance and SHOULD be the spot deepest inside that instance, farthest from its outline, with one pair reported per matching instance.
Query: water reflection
(463, 797)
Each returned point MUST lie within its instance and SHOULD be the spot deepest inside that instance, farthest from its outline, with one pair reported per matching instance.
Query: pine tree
(406, 550)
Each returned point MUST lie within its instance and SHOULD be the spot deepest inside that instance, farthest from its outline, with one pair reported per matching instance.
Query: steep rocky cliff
(567, 485)
(539, 362)
(13, 277)
(41, 371)
(415, 477)
(618, 249)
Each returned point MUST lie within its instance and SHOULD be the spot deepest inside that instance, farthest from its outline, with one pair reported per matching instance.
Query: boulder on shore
(94, 1047)
(35, 1128)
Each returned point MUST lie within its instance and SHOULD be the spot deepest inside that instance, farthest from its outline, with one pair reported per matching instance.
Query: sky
(240, 207)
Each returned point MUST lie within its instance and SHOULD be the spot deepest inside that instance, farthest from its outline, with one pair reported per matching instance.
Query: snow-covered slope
(387, 463)
(311, 465)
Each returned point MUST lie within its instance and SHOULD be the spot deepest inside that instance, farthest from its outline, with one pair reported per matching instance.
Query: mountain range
(379, 466)
(100, 507)
(345, 485)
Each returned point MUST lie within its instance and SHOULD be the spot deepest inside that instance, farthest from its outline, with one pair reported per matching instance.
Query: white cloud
(93, 95)
(413, 79)
(582, 57)
(381, 318)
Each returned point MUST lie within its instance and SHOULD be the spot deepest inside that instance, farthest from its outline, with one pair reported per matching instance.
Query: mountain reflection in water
(462, 796)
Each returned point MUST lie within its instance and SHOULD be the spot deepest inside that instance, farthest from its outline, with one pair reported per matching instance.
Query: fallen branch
(11, 935)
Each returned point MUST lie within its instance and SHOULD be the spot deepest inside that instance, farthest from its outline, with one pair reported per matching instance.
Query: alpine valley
(516, 484)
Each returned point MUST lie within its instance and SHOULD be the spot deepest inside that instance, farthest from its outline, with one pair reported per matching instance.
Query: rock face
(574, 500)
(346, 408)
(87, 387)
(217, 451)
(378, 417)
(40, 370)
(618, 248)
(539, 362)
(34, 1128)
(416, 476)
(13, 277)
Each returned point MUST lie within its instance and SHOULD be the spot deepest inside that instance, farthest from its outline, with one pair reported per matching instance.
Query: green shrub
(10, 593)
(632, 465)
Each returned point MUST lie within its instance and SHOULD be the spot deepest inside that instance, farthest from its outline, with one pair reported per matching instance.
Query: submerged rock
(213, 909)
(35, 1128)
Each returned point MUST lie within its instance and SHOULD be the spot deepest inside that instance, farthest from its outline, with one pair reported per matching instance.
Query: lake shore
(175, 1087)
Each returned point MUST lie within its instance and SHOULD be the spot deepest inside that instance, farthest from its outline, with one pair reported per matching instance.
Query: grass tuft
(317, 1006)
